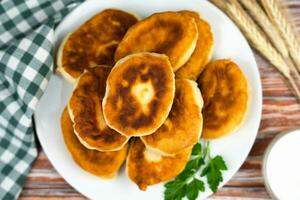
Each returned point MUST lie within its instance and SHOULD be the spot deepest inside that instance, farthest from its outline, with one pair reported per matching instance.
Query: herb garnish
(188, 184)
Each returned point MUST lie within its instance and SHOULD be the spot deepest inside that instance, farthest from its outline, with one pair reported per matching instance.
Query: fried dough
(226, 94)
(102, 164)
(183, 126)
(146, 168)
(203, 51)
(85, 109)
(93, 43)
(139, 94)
(169, 33)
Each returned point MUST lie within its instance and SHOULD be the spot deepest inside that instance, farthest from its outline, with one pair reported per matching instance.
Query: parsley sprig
(188, 184)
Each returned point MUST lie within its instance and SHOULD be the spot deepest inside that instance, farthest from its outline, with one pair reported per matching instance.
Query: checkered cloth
(26, 60)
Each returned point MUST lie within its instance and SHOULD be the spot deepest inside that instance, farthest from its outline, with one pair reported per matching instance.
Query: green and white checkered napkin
(26, 60)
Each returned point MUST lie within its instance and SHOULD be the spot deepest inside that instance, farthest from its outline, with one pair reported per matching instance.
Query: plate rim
(256, 68)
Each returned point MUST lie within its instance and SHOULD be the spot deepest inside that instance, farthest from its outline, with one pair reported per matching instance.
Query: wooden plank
(238, 192)
(281, 111)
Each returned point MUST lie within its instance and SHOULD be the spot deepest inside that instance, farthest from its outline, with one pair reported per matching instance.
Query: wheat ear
(262, 19)
(276, 14)
(256, 37)
(271, 31)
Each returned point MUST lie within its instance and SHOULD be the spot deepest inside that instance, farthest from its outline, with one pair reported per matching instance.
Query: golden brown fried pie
(147, 168)
(102, 164)
(203, 51)
(139, 94)
(93, 43)
(85, 108)
(169, 33)
(225, 93)
(183, 126)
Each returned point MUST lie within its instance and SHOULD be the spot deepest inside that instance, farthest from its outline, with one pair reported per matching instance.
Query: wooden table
(280, 112)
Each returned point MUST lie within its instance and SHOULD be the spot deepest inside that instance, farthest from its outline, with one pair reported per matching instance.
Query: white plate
(229, 43)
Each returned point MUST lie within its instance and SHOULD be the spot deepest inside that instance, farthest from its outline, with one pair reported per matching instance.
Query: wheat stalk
(272, 32)
(262, 19)
(221, 4)
(254, 34)
(276, 14)
(256, 37)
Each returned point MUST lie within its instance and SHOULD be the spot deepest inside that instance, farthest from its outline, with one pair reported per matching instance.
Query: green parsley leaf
(197, 149)
(186, 174)
(220, 163)
(193, 188)
(199, 184)
(175, 189)
(194, 164)
(213, 172)
(186, 184)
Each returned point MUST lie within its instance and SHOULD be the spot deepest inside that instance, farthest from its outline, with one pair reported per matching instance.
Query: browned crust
(183, 126)
(123, 111)
(85, 107)
(94, 42)
(102, 164)
(203, 51)
(167, 33)
(225, 93)
(145, 173)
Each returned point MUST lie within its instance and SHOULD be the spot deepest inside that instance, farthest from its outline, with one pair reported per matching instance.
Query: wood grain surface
(281, 111)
